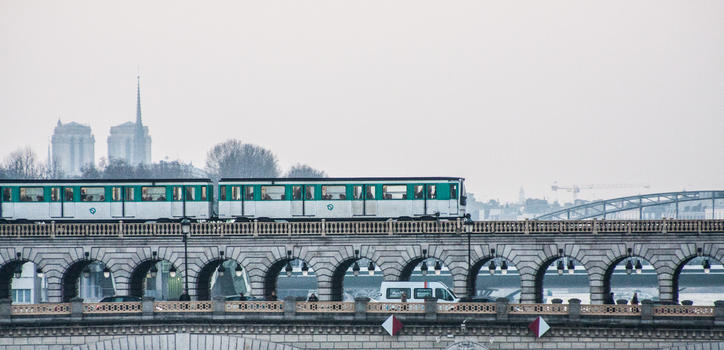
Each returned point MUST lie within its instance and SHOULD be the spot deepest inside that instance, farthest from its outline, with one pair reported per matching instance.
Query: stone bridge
(61, 251)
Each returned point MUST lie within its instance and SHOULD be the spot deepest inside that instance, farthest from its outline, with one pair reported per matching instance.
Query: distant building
(131, 141)
(73, 148)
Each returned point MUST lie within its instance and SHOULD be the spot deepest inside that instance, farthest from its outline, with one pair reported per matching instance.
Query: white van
(416, 292)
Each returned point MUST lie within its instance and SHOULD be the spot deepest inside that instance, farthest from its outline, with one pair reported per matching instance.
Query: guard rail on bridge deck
(256, 228)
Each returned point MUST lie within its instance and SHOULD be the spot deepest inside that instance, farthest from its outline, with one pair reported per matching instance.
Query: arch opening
(290, 277)
(427, 269)
(158, 279)
(630, 279)
(698, 280)
(89, 280)
(222, 278)
(487, 283)
(561, 279)
(23, 283)
(356, 277)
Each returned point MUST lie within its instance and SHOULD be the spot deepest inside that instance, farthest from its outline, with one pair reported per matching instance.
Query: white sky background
(505, 93)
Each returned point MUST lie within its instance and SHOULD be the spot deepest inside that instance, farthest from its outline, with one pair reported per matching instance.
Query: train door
(310, 207)
(358, 202)
(418, 200)
(116, 202)
(235, 203)
(249, 205)
(129, 203)
(297, 208)
(178, 201)
(56, 204)
(432, 205)
(68, 202)
(370, 207)
(6, 205)
(453, 206)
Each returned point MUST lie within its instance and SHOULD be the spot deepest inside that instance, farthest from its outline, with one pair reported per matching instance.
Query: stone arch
(688, 253)
(635, 254)
(417, 255)
(69, 281)
(6, 275)
(279, 261)
(548, 255)
(347, 259)
(203, 278)
(182, 341)
(144, 260)
(480, 256)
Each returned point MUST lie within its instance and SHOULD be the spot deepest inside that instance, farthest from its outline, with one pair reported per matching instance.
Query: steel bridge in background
(600, 209)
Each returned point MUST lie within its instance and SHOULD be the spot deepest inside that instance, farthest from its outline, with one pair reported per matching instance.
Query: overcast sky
(503, 93)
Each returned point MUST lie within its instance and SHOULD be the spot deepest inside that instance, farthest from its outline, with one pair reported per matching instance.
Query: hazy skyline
(503, 94)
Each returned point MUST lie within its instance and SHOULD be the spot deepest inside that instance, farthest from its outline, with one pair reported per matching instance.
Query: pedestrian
(242, 297)
(403, 297)
(635, 299)
(313, 298)
(273, 296)
(611, 300)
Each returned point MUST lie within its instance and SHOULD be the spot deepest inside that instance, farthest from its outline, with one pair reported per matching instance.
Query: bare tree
(236, 159)
(303, 170)
(22, 164)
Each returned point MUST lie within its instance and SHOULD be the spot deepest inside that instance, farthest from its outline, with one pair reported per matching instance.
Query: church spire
(140, 155)
(139, 123)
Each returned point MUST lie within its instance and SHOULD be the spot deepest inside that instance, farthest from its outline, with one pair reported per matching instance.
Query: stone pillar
(598, 294)
(501, 307)
(290, 306)
(54, 288)
(324, 287)
(122, 284)
(430, 309)
(76, 307)
(719, 313)
(574, 309)
(360, 308)
(666, 285)
(147, 306)
(647, 311)
(218, 305)
(5, 309)
(527, 288)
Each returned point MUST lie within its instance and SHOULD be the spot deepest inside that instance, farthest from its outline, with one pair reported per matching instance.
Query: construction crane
(575, 189)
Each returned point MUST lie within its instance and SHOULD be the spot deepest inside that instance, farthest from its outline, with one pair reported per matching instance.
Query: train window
(116, 194)
(271, 193)
(7, 194)
(249, 193)
(190, 193)
(222, 193)
(394, 192)
(334, 192)
(296, 193)
(92, 194)
(453, 191)
(431, 191)
(308, 192)
(31, 194)
(149, 194)
(129, 193)
(68, 194)
(357, 192)
(371, 192)
(55, 194)
(177, 193)
(236, 193)
(419, 191)
(203, 193)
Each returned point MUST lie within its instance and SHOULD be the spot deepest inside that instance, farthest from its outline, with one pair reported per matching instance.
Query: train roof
(101, 180)
(323, 179)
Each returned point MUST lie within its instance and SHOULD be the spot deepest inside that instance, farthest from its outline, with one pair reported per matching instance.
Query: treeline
(231, 158)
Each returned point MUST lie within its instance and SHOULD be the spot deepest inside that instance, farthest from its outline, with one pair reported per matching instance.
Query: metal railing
(325, 306)
(120, 229)
(182, 306)
(466, 308)
(406, 308)
(612, 310)
(254, 306)
(112, 308)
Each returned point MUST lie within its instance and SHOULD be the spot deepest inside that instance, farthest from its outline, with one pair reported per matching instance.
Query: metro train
(281, 199)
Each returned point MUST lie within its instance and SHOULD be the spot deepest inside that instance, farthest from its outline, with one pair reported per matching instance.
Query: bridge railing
(256, 228)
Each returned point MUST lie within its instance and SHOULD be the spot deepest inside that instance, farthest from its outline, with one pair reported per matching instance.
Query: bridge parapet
(323, 228)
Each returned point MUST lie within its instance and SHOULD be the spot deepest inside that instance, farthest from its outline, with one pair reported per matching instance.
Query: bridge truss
(601, 209)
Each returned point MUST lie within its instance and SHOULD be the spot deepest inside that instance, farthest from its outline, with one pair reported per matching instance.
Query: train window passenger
(31, 194)
(129, 193)
(150, 194)
(222, 193)
(394, 192)
(236, 193)
(203, 193)
(309, 192)
(357, 192)
(453, 191)
(296, 193)
(273, 193)
(431, 191)
(190, 193)
(7, 194)
(419, 191)
(92, 194)
(68, 194)
(371, 192)
(116, 194)
(249, 193)
(178, 193)
(55, 194)
(334, 192)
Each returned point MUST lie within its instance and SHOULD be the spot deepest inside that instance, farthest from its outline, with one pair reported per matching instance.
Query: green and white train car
(105, 200)
(341, 198)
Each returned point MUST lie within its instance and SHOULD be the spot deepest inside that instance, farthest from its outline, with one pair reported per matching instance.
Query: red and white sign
(392, 325)
(539, 327)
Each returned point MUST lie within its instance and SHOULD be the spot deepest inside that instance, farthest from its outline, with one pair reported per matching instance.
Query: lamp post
(468, 224)
(185, 230)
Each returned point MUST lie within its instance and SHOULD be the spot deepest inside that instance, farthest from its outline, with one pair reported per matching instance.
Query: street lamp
(185, 230)
(468, 224)
(238, 270)
(423, 268)
(629, 267)
(106, 272)
(706, 266)
(492, 267)
(371, 268)
(639, 267)
(172, 271)
(355, 269)
(559, 266)
(289, 269)
(39, 273)
(305, 269)
(571, 267)
(504, 268)
(438, 268)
